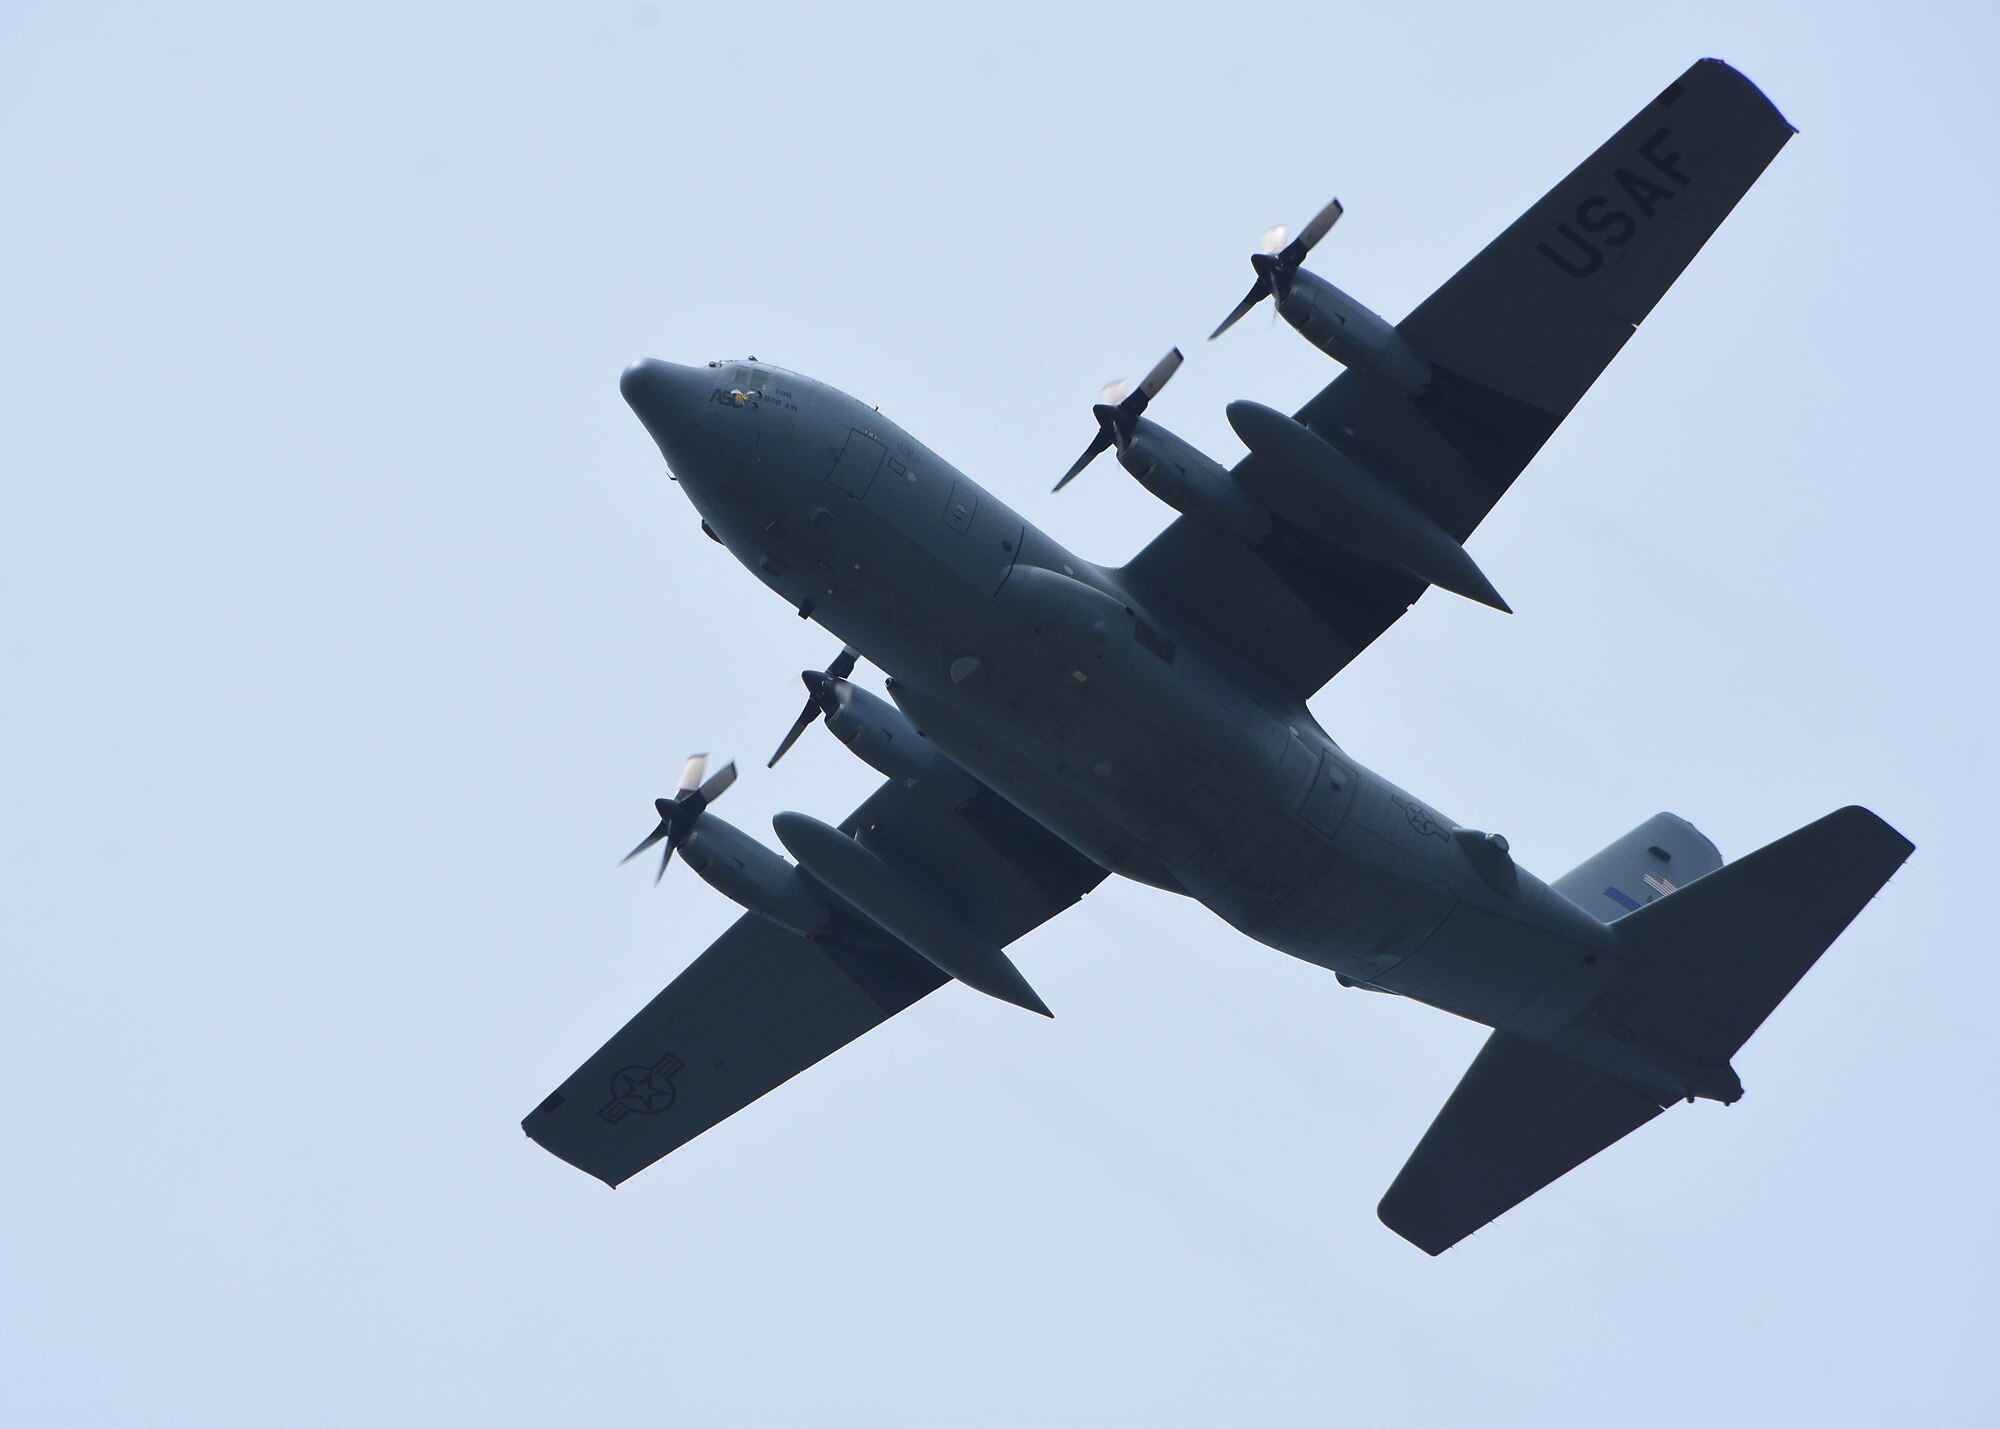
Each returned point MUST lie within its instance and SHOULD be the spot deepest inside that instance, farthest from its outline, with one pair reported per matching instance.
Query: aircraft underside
(1054, 721)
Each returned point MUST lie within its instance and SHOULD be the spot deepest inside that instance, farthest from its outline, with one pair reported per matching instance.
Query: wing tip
(1894, 843)
(1733, 75)
(1408, 1222)
(530, 1130)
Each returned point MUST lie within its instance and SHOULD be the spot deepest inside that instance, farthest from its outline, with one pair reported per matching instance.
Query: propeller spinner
(678, 814)
(1117, 414)
(1277, 261)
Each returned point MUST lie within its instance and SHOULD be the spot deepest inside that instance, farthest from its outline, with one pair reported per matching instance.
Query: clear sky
(352, 624)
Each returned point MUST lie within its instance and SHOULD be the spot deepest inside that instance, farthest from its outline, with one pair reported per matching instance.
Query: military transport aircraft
(1055, 720)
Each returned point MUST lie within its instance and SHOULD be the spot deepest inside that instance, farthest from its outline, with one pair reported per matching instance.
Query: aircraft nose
(669, 399)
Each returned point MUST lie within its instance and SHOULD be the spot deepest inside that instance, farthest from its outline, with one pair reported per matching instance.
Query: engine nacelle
(1351, 334)
(1192, 482)
(884, 739)
(752, 876)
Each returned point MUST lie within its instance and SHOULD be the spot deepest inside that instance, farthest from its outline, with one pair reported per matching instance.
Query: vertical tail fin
(1662, 854)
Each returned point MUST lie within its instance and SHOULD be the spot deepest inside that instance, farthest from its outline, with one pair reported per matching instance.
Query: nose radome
(657, 390)
(632, 384)
(668, 399)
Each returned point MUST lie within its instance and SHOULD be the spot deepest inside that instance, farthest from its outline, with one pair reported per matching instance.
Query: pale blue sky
(354, 624)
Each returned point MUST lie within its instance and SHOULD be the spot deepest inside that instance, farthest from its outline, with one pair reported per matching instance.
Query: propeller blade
(1276, 260)
(1098, 445)
(647, 842)
(799, 727)
(1150, 387)
(1112, 393)
(679, 815)
(1322, 223)
(717, 782)
(840, 668)
(1250, 300)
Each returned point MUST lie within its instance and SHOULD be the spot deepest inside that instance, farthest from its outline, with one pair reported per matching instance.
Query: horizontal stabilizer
(1520, 1117)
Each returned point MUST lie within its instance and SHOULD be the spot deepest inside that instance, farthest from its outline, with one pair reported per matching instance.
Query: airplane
(1052, 721)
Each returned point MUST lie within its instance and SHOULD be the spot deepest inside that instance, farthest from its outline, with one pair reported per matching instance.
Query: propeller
(819, 698)
(1117, 414)
(1277, 260)
(678, 814)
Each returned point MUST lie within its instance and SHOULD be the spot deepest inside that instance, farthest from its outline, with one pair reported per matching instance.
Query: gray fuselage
(1160, 758)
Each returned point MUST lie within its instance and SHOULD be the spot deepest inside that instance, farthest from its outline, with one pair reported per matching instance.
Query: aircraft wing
(1514, 339)
(762, 1004)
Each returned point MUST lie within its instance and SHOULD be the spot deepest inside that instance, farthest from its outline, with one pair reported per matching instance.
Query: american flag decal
(1659, 885)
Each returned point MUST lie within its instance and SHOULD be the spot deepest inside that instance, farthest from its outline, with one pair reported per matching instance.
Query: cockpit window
(742, 385)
